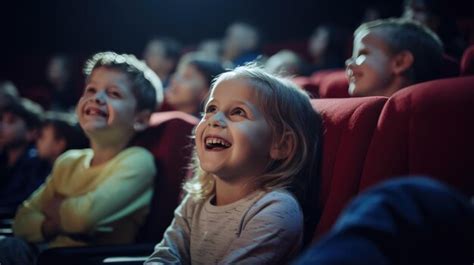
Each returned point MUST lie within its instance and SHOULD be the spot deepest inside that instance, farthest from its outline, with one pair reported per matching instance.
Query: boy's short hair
(29, 111)
(66, 127)
(406, 35)
(146, 85)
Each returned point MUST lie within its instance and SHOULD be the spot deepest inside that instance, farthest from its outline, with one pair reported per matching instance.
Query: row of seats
(333, 83)
(423, 129)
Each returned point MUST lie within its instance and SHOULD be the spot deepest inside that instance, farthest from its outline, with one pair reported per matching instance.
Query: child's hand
(51, 225)
(51, 207)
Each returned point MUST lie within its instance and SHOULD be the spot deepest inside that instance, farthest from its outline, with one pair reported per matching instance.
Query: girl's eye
(210, 109)
(239, 112)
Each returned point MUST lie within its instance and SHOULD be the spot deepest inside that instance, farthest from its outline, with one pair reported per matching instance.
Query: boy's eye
(239, 112)
(115, 94)
(90, 90)
(210, 109)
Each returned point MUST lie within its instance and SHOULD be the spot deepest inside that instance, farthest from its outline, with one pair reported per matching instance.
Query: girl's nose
(217, 120)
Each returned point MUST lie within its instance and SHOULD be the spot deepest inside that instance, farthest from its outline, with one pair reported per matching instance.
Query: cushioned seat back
(467, 61)
(428, 129)
(168, 139)
(348, 126)
(334, 85)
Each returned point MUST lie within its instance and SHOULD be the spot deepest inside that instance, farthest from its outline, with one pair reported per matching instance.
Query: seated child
(59, 133)
(284, 63)
(21, 170)
(390, 54)
(190, 84)
(255, 150)
(99, 195)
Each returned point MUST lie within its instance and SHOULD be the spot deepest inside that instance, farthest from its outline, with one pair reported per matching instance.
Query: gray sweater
(263, 228)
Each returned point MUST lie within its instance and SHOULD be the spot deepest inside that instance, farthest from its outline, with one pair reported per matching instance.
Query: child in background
(390, 54)
(59, 133)
(21, 170)
(256, 146)
(190, 85)
(162, 56)
(99, 195)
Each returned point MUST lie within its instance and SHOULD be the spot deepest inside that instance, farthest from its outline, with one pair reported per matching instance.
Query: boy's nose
(100, 97)
(217, 120)
(349, 62)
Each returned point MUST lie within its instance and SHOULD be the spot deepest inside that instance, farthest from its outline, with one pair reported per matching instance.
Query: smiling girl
(255, 148)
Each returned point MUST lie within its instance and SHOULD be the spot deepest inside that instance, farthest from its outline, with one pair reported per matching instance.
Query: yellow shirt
(107, 203)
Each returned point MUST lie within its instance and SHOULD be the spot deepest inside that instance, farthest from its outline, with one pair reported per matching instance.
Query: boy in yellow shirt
(99, 195)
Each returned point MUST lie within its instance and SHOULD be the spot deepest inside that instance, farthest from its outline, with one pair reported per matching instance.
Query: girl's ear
(141, 120)
(402, 61)
(283, 147)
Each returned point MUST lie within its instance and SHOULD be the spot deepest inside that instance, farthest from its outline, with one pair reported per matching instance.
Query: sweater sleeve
(272, 233)
(29, 216)
(174, 248)
(126, 190)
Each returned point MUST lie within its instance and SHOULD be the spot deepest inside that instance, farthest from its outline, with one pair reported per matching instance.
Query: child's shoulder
(278, 196)
(277, 201)
(74, 155)
(135, 153)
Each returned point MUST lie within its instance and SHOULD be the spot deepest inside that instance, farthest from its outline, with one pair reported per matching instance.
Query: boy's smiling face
(369, 70)
(107, 106)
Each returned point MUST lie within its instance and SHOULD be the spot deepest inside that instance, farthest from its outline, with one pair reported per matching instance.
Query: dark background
(33, 30)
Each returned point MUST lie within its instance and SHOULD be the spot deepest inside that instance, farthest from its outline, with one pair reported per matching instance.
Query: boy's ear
(402, 61)
(283, 147)
(141, 120)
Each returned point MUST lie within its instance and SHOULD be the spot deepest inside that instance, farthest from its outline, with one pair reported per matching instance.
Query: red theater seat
(467, 61)
(169, 140)
(306, 84)
(348, 127)
(426, 129)
(334, 85)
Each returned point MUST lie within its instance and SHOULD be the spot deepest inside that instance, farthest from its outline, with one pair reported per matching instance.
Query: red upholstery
(467, 61)
(348, 125)
(334, 85)
(168, 138)
(306, 84)
(427, 129)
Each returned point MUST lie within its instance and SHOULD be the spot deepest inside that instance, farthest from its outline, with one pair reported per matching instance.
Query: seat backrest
(306, 84)
(426, 129)
(168, 138)
(348, 127)
(467, 61)
(334, 85)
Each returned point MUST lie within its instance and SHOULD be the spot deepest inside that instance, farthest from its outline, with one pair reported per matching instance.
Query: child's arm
(174, 248)
(127, 190)
(51, 225)
(272, 233)
(29, 217)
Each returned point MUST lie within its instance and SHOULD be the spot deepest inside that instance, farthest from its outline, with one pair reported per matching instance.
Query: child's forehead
(110, 76)
(372, 38)
(237, 87)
